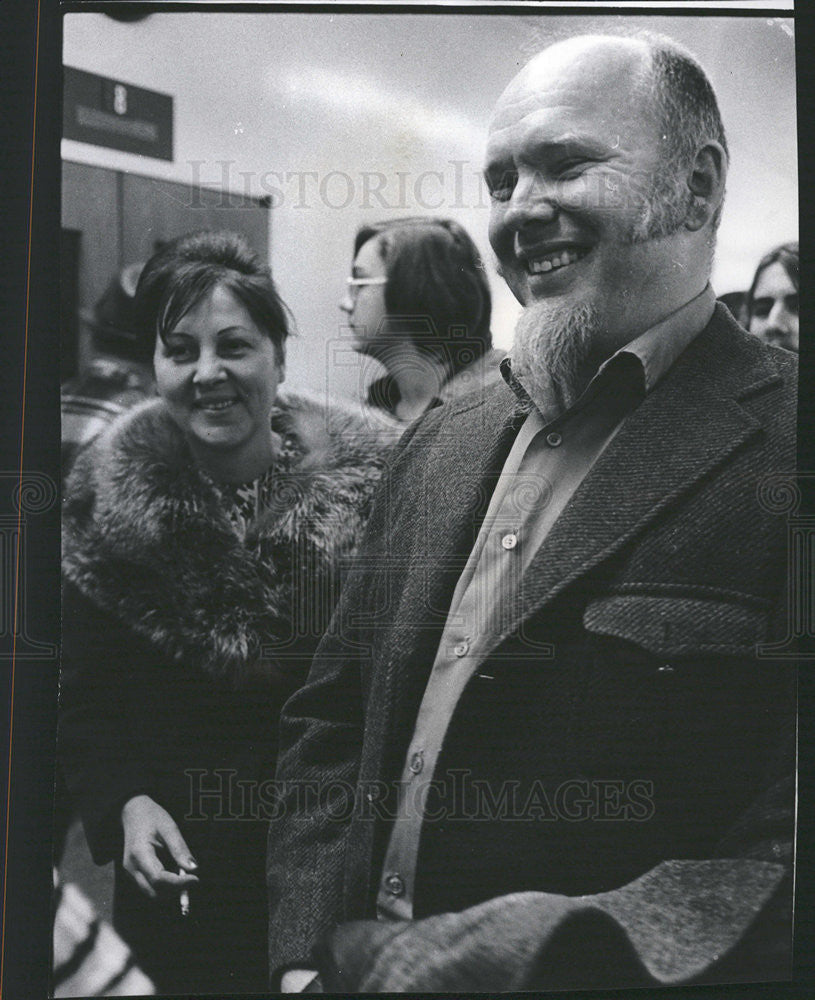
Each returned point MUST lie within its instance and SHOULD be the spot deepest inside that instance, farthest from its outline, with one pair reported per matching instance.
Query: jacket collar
(654, 351)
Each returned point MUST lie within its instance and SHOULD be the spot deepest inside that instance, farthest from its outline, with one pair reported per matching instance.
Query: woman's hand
(148, 830)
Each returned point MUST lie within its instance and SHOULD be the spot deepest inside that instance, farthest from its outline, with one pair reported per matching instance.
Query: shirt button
(509, 541)
(461, 648)
(394, 884)
(417, 762)
(554, 439)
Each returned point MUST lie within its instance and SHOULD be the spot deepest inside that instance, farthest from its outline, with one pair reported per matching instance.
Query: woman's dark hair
(437, 291)
(787, 256)
(183, 271)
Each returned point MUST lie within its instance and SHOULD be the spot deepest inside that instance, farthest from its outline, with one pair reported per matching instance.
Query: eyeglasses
(354, 284)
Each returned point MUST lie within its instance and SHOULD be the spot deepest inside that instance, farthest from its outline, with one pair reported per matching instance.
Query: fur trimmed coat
(181, 640)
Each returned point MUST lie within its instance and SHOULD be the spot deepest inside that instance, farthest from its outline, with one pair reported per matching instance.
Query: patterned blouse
(243, 502)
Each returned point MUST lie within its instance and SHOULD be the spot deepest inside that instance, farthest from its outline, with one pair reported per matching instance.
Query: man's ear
(706, 183)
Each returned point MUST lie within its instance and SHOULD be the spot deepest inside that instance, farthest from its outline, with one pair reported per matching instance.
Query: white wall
(321, 110)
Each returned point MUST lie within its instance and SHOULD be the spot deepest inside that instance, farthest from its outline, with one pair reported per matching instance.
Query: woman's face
(774, 309)
(218, 374)
(364, 304)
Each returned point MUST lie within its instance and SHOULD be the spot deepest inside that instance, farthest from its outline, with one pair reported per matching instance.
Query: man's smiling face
(572, 160)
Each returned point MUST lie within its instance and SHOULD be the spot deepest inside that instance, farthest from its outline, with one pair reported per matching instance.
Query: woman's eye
(178, 352)
(234, 348)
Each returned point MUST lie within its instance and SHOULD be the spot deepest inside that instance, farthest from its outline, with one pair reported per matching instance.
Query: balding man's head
(614, 58)
(649, 68)
(606, 167)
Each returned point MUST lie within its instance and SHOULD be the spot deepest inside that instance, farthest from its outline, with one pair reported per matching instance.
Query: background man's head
(606, 163)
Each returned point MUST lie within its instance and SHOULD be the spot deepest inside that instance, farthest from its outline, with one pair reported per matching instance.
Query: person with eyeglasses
(419, 303)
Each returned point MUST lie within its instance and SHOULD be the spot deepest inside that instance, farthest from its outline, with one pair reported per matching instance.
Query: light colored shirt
(550, 457)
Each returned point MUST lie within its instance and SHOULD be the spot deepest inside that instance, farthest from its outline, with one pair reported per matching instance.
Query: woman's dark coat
(180, 644)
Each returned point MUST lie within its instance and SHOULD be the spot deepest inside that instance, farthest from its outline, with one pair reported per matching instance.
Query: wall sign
(118, 115)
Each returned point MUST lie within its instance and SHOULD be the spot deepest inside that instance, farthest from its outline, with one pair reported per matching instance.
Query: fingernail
(191, 863)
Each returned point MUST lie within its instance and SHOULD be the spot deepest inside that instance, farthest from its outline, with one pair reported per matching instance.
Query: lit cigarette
(185, 903)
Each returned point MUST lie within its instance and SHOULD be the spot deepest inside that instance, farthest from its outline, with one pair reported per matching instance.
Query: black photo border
(30, 63)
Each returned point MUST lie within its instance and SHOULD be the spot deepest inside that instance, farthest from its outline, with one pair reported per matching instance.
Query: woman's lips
(214, 405)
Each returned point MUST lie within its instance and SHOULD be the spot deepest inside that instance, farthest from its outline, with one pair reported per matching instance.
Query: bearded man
(546, 743)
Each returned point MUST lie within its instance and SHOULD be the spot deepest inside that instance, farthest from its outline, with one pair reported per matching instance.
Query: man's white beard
(555, 345)
(552, 349)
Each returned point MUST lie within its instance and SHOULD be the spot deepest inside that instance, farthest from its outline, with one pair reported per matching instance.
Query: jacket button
(666, 669)
(461, 648)
(394, 884)
(417, 762)
(553, 439)
(509, 541)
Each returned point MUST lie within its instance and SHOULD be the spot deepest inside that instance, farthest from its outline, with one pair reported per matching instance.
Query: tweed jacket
(181, 640)
(629, 655)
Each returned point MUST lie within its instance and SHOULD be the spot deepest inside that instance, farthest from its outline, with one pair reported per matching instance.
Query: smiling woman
(218, 360)
(203, 537)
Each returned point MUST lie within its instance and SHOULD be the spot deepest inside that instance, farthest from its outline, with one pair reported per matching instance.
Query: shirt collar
(656, 350)
(660, 346)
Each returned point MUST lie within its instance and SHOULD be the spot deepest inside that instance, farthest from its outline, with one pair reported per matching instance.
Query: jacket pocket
(672, 675)
(681, 627)
(674, 695)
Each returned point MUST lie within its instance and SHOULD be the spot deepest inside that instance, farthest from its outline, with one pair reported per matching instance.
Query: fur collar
(146, 539)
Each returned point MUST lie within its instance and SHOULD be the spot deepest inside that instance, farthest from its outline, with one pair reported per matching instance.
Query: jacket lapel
(684, 429)
(462, 460)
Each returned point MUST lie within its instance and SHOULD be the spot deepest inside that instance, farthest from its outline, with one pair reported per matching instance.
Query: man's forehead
(582, 71)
